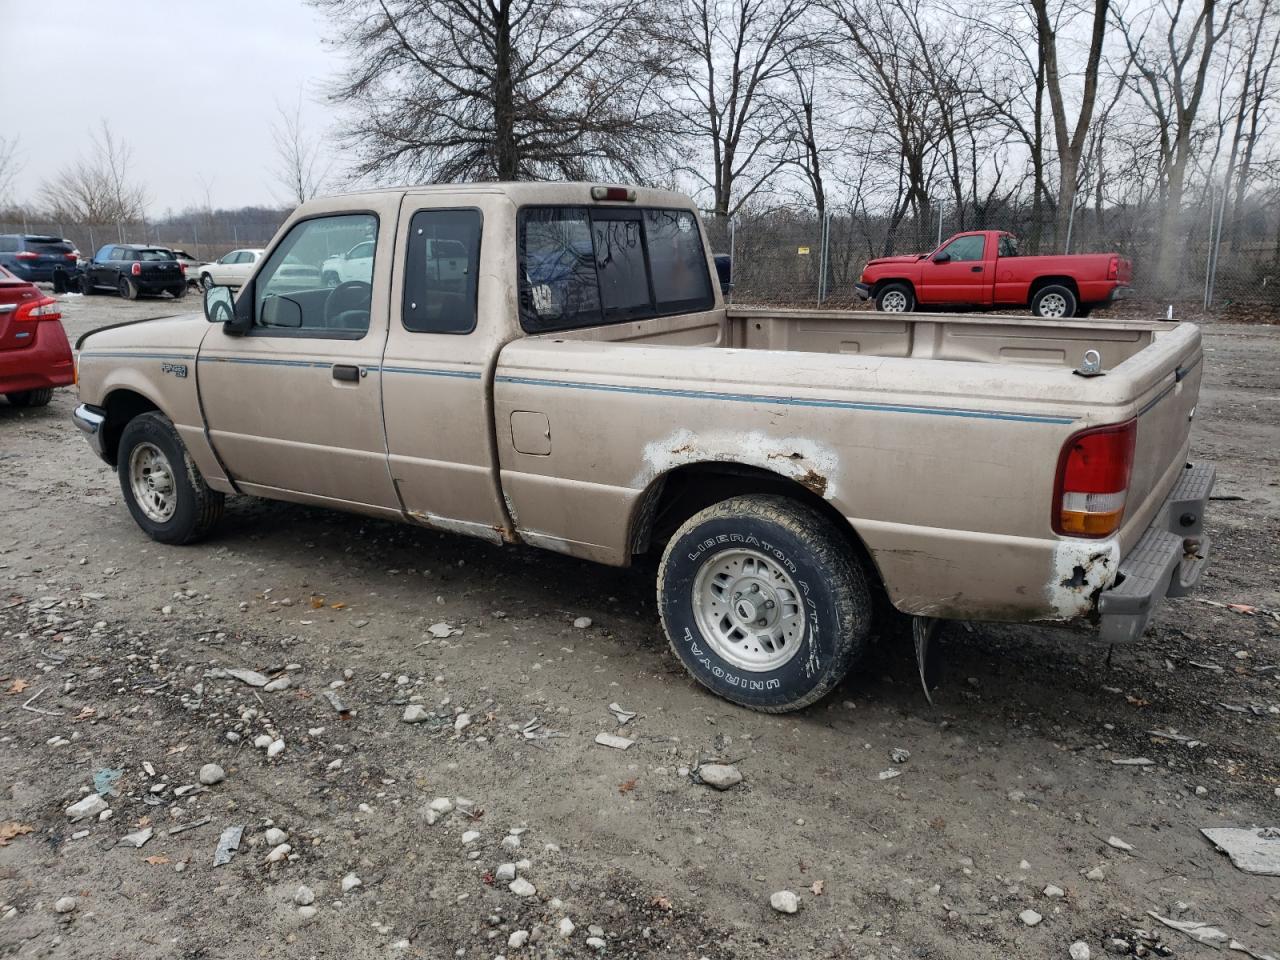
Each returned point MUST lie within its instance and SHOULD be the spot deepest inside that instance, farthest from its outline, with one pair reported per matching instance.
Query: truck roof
(523, 192)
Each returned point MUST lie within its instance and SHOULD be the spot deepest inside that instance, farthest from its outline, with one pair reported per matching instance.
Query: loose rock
(566, 927)
(64, 904)
(89, 806)
(722, 776)
(1079, 950)
(304, 896)
(522, 887)
(350, 882)
(784, 901)
(211, 773)
(1030, 917)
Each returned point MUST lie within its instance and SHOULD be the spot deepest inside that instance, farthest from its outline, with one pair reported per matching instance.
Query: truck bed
(932, 434)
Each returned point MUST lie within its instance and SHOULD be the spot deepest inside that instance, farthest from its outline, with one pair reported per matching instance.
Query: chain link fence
(790, 256)
(206, 236)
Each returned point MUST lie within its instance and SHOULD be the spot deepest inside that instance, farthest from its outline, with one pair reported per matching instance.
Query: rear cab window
(586, 266)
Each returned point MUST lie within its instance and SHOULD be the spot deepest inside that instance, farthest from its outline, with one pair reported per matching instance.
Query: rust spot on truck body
(813, 481)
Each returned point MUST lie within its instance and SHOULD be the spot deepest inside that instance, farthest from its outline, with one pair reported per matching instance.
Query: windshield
(154, 255)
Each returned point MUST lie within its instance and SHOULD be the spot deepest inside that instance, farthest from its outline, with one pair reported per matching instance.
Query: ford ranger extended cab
(983, 270)
(553, 365)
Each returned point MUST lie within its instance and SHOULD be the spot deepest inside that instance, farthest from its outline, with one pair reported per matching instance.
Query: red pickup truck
(981, 269)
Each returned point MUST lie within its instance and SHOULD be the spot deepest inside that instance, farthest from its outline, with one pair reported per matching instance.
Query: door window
(290, 297)
(442, 270)
(963, 249)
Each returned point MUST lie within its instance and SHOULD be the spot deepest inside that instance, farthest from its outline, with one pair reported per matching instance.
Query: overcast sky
(192, 87)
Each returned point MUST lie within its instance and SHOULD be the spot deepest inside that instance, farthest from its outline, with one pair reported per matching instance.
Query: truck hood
(908, 258)
(183, 331)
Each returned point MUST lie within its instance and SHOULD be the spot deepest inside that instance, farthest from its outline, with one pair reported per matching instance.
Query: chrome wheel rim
(895, 301)
(151, 479)
(1053, 305)
(748, 610)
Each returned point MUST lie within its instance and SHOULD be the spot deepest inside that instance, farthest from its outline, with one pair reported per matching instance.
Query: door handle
(975, 269)
(346, 373)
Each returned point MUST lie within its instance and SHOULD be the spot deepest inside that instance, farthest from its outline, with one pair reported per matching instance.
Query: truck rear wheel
(162, 486)
(1053, 302)
(764, 602)
(896, 298)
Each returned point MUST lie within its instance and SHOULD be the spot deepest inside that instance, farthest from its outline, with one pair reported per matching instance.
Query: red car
(982, 270)
(35, 356)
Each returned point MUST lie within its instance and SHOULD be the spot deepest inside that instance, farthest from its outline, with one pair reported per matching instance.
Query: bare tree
(448, 90)
(1170, 74)
(97, 188)
(1257, 91)
(1070, 138)
(10, 166)
(302, 169)
(734, 56)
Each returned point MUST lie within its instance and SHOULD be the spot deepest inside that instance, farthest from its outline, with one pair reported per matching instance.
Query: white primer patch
(1081, 568)
(811, 464)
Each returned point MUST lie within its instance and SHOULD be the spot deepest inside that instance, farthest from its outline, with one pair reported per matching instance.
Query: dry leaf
(627, 785)
(817, 887)
(661, 903)
(19, 685)
(1244, 608)
(157, 861)
(11, 829)
(317, 603)
(337, 606)
(1137, 701)
(84, 714)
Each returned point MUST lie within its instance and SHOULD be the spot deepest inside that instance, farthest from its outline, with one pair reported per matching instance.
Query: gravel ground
(1011, 785)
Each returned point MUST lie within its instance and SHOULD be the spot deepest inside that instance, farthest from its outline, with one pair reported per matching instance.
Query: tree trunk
(506, 149)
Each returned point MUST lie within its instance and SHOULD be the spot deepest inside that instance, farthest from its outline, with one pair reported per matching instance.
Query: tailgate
(1165, 407)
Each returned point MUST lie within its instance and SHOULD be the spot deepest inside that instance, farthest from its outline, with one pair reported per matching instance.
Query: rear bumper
(1121, 293)
(90, 420)
(1167, 561)
(46, 362)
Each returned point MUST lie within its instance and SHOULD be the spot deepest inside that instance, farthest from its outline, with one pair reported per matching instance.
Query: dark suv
(35, 258)
(131, 269)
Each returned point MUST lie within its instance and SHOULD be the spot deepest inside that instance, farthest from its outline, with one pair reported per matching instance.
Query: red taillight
(183, 267)
(1113, 269)
(70, 256)
(46, 308)
(1093, 480)
(612, 193)
(136, 269)
(27, 255)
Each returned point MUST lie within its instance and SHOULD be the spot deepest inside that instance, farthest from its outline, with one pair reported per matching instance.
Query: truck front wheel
(764, 602)
(895, 298)
(163, 487)
(1053, 302)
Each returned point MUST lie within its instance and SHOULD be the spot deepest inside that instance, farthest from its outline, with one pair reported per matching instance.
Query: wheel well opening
(1041, 282)
(677, 495)
(121, 407)
(881, 284)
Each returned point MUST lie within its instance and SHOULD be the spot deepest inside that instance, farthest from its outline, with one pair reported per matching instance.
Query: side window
(8, 244)
(1008, 247)
(964, 249)
(290, 295)
(244, 256)
(558, 286)
(442, 271)
(681, 281)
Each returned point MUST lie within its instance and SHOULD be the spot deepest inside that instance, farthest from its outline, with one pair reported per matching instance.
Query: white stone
(566, 927)
(511, 842)
(1054, 893)
(461, 722)
(1097, 873)
(722, 776)
(1119, 844)
(609, 740)
(64, 904)
(596, 943)
(281, 852)
(274, 836)
(1079, 950)
(518, 939)
(262, 741)
(441, 805)
(307, 912)
(1030, 917)
(784, 901)
(211, 773)
(304, 896)
(276, 748)
(470, 836)
(415, 713)
(522, 887)
(506, 872)
(350, 882)
(90, 806)
(582, 623)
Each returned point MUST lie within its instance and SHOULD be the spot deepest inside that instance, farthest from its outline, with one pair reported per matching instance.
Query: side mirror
(219, 307)
(943, 257)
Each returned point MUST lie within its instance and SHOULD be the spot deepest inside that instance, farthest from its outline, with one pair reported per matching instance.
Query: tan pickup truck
(552, 364)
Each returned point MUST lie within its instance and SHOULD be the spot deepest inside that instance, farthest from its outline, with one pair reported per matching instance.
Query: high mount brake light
(1093, 480)
(613, 193)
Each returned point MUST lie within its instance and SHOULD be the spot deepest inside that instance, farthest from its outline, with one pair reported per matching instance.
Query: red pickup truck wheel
(764, 602)
(1053, 302)
(896, 298)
